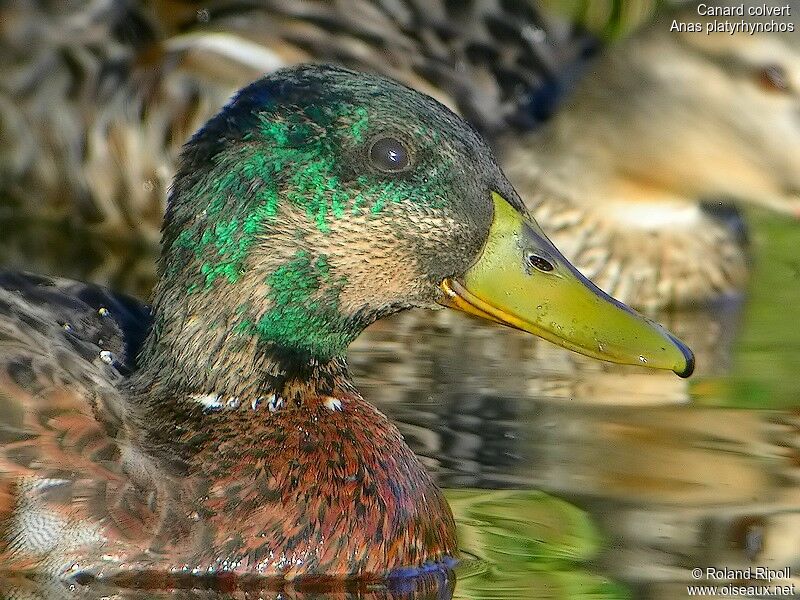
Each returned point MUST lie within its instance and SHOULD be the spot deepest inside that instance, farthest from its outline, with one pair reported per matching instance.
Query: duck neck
(220, 358)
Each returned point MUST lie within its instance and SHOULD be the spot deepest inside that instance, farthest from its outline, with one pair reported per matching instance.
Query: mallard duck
(223, 433)
(97, 98)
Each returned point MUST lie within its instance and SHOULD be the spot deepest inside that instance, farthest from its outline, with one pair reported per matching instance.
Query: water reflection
(472, 397)
(438, 587)
(671, 484)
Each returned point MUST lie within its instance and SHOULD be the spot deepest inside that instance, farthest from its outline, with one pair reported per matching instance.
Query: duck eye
(539, 263)
(773, 78)
(389, 155)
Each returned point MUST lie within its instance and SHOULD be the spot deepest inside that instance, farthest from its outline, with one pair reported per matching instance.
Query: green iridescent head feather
(278, 209)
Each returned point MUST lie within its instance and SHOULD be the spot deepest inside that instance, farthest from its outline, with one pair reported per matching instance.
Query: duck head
(320, 200)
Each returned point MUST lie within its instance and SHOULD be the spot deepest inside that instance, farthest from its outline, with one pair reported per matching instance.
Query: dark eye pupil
(389, 154)
(537, 262)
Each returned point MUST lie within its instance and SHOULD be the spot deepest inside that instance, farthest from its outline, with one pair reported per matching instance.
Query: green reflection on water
(526, 544)
(766, 359)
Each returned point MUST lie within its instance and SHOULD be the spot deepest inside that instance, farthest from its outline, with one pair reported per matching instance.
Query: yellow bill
(521, 280)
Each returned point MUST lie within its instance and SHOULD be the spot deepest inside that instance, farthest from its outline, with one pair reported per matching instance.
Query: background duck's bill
(522, 280)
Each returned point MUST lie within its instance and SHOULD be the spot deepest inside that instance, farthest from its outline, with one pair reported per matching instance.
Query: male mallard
(97, 98)
(316, 202)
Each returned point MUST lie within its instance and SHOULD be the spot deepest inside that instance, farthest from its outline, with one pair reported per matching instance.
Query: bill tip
(688, 356)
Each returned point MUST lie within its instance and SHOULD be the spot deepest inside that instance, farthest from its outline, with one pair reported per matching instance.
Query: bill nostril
(539, 263)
